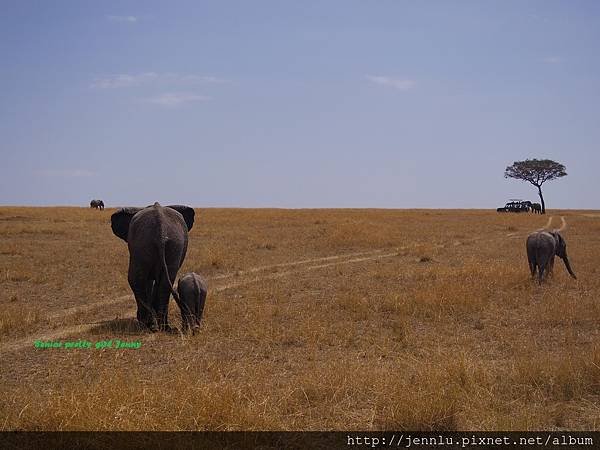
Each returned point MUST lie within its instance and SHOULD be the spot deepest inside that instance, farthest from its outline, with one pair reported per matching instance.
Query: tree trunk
(542, 199)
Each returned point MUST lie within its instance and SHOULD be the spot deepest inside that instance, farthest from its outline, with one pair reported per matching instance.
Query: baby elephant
(542, 246)
(192, 296)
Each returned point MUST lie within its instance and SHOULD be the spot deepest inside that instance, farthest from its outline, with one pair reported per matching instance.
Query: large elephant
(97, 204)
(157, 238)
(536, 208)
(542, 246)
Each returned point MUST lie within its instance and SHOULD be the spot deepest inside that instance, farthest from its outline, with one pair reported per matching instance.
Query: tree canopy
(536, 172)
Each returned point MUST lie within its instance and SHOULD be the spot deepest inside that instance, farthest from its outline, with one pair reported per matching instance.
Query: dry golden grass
(315, 320)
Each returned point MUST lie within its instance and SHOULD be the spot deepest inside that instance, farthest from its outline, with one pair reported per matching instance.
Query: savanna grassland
(315, 320)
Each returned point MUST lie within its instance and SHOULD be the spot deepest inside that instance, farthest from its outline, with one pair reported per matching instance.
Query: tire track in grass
(292, 263)
(110, 302)
(65, 331)
(545, 227)
(277, 275)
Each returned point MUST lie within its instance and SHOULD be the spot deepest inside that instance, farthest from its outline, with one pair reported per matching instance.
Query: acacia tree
(536, 172)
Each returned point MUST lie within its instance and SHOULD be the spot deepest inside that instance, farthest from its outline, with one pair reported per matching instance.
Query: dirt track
(127, 301)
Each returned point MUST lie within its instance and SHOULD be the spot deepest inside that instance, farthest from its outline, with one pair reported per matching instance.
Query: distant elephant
(192, 297)
(542, 246)
(97, 204)
(157, 238)
(536, 208)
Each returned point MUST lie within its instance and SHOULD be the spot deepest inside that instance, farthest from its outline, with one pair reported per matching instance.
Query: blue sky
(389, 103)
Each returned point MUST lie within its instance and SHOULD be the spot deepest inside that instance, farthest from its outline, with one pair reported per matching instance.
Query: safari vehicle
(516, 205)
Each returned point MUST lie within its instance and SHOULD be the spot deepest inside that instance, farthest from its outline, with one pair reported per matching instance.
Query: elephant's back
(143, 237)
(143, 224)
(174, 225)
(539, 238)
(186, 284)
(155, 230)
(194, 285)
(155, 225)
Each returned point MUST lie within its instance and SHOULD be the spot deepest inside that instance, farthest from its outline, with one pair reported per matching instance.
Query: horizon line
(296, 207)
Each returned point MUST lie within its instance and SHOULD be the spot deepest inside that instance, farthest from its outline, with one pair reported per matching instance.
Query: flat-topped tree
(537, 172)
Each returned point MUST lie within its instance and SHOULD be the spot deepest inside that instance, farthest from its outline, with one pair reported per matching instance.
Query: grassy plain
(315, 320)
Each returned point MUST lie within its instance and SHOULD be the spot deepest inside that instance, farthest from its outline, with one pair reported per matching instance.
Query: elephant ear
(187, 213)
(119, 221)
(561, 246)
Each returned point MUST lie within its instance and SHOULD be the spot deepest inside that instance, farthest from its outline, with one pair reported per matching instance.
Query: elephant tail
(161, 249)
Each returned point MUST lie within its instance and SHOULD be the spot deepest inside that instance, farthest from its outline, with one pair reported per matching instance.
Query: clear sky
(387, 103)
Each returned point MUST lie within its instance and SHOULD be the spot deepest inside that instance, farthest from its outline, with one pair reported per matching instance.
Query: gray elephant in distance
(157, 238)
(536, 208)
(97, 204)
(192, 291)
(542, 247)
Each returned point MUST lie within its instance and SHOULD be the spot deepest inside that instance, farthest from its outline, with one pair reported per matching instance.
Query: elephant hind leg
(550, 267)
(541, 270)
(532, 265)
(532, 268)
(187, 316)
(161, 304)
(145, 314)
(142, 291)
